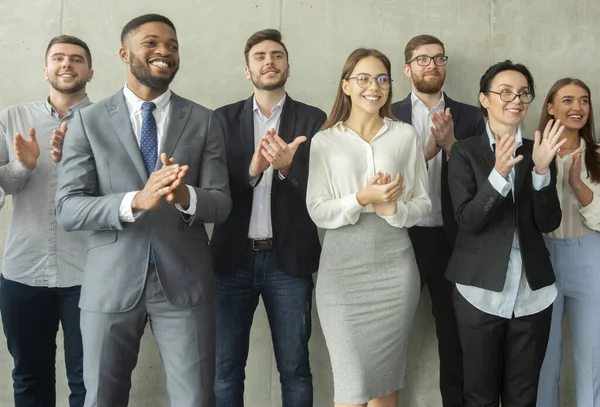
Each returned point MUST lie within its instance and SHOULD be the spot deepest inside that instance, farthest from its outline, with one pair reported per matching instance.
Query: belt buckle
(254, 245)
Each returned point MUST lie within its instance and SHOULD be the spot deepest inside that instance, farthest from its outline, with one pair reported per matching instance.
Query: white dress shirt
(517, 297)
(341, 164)
(161, 115)
(260, 218)
(577, 220)
(422, 122)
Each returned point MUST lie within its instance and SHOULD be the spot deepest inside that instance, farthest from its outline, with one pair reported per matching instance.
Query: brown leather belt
(260, 245)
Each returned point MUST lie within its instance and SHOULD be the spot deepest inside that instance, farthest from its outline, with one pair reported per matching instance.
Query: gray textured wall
(554, 38)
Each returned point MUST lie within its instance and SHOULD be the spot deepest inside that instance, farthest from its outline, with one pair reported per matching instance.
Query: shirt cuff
(125, 211)
(253, 181)
(351, 208)
(499, 183)
(540, 181)
(193, 201)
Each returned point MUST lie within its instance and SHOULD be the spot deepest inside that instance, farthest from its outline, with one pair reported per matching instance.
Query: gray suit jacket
(102, 162)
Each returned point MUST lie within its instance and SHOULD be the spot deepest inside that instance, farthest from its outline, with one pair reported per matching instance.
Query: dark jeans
(432, 251)
(288, 302)
(30, 316)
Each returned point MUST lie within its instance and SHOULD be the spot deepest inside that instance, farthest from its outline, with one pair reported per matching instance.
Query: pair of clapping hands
(545, 148)
(382, 192)
(273, 151)
(27, 152)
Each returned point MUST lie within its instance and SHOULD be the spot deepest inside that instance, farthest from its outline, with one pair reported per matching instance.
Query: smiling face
(67, 68)
(571, 105)
(506, 114)
(373, 97)
(152, 55)
(267, 67)
(426, 79)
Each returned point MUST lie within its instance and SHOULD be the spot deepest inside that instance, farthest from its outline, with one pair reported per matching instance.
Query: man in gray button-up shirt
(42, 266)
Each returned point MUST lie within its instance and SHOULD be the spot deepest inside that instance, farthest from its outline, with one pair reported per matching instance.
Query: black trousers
(502, 357)
(432, 251)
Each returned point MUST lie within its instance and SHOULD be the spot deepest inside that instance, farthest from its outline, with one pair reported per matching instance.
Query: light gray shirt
(422, 122)
(517, 298)
(260, 218)
(37, 251)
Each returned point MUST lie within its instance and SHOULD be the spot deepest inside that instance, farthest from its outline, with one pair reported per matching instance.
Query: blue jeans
(288, 302)
(30, 317)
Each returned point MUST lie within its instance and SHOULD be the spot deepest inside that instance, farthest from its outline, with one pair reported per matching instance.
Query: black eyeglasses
(425, 60)
(364, 80)
(505, 96)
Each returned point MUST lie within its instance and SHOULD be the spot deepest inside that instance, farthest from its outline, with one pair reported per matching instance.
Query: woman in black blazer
(504, 197)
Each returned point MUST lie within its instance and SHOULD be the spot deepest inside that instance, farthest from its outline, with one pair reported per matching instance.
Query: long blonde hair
(342, 104)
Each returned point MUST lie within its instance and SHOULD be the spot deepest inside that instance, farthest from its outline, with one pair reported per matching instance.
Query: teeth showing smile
(372, 98)
(160, 64)
(575, 116)
(514, 110)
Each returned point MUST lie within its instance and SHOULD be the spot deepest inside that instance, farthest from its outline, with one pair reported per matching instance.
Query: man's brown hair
(419, 41)
(270, 34)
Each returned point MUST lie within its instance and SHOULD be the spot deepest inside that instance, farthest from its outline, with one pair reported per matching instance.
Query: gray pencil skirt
(367, 292)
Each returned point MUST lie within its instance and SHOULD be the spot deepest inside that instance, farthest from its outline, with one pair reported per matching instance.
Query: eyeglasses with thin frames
(364, 81)
(425, 60)
(505, 96)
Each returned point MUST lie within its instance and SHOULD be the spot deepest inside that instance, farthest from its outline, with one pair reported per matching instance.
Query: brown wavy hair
(587, 133)
(342, 104)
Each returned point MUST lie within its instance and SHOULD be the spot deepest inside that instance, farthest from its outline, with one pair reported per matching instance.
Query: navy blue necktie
(149, 146)
(149, 137)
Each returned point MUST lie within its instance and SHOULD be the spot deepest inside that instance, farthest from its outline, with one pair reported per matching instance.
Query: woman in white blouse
(367, 183)
(575, 246)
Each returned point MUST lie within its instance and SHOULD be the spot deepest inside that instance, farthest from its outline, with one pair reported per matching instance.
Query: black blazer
(487, 220)
(468, 122)
(295, 235)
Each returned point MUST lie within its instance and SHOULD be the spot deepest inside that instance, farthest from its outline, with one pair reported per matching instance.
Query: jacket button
(492, 199)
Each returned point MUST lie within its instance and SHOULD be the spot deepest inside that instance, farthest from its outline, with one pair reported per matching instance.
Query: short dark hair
(489, 75)
(69, 39)
(141, 20)
(418, 41)
(270, 34)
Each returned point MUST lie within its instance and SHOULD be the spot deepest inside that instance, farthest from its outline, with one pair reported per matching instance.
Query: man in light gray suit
(148, 256)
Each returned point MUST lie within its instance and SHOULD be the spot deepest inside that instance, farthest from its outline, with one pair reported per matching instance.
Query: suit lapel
(288, 121)
(522, 168)
(405, 111)
(180, 112)
(488, 153)
(119, 117)
(247, 130)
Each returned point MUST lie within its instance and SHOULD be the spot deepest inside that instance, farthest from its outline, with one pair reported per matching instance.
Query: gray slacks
(185, 339)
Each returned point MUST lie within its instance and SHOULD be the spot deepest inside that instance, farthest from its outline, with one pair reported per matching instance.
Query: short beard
(428, 87)
(143, 74)
(76, 87)
(258, 84)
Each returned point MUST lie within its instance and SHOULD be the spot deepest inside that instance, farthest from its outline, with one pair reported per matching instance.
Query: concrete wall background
(553, 38)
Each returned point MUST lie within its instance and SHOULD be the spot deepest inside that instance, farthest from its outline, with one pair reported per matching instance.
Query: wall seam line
(62, 15)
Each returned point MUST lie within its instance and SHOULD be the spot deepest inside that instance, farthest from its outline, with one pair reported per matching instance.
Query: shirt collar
(418, 102)
(386, 123)
(85, 101)
(277, 107)
(492, 139)
(134, 103)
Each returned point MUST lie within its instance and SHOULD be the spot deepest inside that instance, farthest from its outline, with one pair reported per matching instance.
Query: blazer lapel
(180, 112)
(488, 153)
(288, 120)
(247, 130)
(522, 168)
(119, 117)
(405, 111)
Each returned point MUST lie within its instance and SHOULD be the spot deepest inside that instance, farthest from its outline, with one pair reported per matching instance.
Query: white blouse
(577, 220)
(341, 164)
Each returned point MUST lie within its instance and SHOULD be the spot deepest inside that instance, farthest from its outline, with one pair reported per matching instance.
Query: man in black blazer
(268, 246)
(439, 121)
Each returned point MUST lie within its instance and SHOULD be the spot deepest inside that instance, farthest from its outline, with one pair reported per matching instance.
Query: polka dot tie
(149, 138)
(149, 146)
